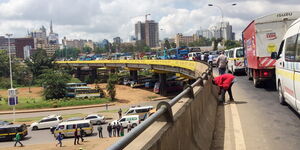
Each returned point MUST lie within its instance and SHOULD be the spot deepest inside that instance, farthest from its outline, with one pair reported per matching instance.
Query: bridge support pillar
(163, 84)
(134, 75)
(94, 73)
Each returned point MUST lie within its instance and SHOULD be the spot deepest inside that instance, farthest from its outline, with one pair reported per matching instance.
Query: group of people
(77, 137)
(117, 129)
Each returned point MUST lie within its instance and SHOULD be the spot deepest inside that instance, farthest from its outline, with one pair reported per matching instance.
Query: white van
(288, 67)
(194, 55)
(134, 120)
(67, 129)
(141, 111)
(235, 57)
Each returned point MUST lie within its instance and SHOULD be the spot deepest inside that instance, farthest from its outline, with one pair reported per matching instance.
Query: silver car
(95, 119)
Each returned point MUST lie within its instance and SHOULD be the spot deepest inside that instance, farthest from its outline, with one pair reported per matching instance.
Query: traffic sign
(12, 92)
(13, 101)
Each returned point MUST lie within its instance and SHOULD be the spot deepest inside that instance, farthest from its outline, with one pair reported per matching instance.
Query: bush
(111, 86)
(4, 83)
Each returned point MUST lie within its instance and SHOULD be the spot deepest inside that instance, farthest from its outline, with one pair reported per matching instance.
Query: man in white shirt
(210, 59)
(222, 63)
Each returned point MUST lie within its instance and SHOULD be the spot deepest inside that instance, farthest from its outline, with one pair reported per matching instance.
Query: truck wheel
(255, 82)
(280, 94)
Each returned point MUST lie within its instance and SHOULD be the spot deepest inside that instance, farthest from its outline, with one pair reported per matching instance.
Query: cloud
(99, 19)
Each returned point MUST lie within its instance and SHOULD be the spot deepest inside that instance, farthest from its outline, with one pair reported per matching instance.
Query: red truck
(262, 37)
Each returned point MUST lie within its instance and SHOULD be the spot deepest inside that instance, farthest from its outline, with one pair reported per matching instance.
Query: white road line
(237, 128)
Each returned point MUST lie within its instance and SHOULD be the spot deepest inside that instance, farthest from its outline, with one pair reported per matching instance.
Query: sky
(106, 19)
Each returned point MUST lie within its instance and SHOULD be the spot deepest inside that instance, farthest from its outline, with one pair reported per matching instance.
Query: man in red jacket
(225, 83)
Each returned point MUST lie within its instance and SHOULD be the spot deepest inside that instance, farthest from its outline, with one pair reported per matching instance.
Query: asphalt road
(266, 124)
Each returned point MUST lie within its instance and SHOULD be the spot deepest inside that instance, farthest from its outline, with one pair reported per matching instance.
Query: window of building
(290, 48)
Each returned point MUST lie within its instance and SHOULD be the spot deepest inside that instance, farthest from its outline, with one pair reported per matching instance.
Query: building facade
(140, 31)
(24, 47)
(179, 38)
(4, 44)
(151, 33)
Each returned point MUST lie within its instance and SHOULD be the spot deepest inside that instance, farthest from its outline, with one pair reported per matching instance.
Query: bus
(174, 53)
(84, 92)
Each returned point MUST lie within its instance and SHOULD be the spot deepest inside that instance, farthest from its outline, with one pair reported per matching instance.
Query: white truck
(262, 37)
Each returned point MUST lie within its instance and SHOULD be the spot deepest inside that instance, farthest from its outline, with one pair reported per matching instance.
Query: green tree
(167, 44)
(4, 64)
(173, 45)
(86, 49)
(231, 44)
(54, 83)
(111, 85)
(38, 62)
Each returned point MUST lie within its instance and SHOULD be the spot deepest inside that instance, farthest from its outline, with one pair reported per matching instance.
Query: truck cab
(288, 67)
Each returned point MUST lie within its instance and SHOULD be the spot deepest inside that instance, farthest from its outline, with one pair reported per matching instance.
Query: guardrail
(163, 108)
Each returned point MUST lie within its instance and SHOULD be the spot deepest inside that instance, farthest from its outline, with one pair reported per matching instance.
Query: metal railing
(163, 108)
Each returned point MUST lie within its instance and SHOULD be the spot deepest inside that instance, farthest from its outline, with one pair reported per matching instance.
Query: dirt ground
(125, 94)
(90, 144)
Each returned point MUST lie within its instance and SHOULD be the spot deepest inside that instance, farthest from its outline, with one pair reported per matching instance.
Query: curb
(55, 109)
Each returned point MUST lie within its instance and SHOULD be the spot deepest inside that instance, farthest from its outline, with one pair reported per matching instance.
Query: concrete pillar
(163, 84)
(133, 75)
(94, 73)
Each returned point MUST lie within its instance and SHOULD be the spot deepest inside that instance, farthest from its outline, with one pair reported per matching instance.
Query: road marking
(237, 129)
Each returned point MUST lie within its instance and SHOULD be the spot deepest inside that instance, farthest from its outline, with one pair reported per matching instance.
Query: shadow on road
(240, 102)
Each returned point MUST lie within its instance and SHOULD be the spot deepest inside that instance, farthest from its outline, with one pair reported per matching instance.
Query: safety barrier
(165, 118)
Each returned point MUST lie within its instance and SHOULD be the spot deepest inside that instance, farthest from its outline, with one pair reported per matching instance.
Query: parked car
(68, 128)
(46, 122)
(8, 132)
(95, 119)
(134, 120)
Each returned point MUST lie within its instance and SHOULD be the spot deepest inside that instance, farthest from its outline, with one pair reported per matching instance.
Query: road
(261, 122)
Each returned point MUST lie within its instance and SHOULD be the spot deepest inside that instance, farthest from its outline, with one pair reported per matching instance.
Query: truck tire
(280, 94)
(256, 83)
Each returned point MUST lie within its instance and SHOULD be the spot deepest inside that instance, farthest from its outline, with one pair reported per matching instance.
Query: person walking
(100, 131)
(109, 129)
(128, 127)
(18, 140)
(76, 136)
(59, 138)
(114, 129)
(210, 59)
(120, 113)
(81, 131)
(118, 128)
(225, 83)
(222, 63)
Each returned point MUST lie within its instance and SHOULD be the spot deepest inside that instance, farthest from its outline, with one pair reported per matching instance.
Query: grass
(38, 103)
(113, 111)
(152, 97)
(33, 119)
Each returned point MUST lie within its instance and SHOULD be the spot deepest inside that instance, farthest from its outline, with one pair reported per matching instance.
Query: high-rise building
(24, 47)
(151, 33)
(222, 30)
(4, 44)
(140, 31)
(117, 40)
(179, 38)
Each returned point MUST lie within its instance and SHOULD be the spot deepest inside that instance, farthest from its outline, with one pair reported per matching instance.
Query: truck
(262, 37)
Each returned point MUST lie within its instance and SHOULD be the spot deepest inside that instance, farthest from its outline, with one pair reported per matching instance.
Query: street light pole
(10, 71)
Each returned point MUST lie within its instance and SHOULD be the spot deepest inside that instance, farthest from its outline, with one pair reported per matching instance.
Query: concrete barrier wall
(193, 126)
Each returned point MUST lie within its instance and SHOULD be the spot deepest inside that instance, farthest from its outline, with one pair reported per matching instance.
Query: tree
(111, 85)
(54, 83)
(38, 62)
(86, 49)
(167, 44)
(173, 45)
(231, 44)
(4, 64)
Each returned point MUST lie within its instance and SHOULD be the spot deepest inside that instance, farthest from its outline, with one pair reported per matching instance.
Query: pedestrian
(222, 63)
(225, 83)
(100, 131)
(76, 136)
(210, 59)
(81, 131)
(118, 127)
(202, 57)
(59, 138)
(121, 130)
(128, 127)
(120, 113)
(18, 139)
(114, 128)
(109, 129)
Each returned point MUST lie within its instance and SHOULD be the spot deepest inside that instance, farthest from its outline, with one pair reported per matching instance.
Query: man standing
(76, 136)
(225, 83)
(222, 63)
(118, 127)
(114, 128)
(120, 113)
(128, 127)
(100, 131)
(109, 129)
(210, 59)
(81, 134)
(18, 140)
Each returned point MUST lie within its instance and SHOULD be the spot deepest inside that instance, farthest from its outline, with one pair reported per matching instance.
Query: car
(46, 122)
(75, 119)
(95, 119)
(8, 132)
(134, 121)
(2, 123)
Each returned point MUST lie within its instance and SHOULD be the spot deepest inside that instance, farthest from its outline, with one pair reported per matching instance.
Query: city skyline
(98, 21)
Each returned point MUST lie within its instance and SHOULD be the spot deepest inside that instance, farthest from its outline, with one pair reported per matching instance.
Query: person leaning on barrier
(225, 83)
